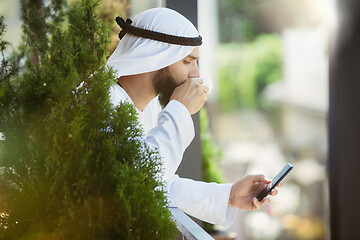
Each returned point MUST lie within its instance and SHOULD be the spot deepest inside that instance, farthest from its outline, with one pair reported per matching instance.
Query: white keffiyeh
(135, 55)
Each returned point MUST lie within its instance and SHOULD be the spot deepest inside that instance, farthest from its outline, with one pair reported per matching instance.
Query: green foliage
(236, 20)
(210, 152)
(9, 65)
(246, 69)
(72, 166)
(108, 10)
(211, 155)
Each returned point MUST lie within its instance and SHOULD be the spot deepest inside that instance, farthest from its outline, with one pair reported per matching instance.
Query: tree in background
(245, 69)
(107, 12)
(211, 153)
(236, 22)
(9, 65)
(244, 20)
(71, 165)
(250, 53)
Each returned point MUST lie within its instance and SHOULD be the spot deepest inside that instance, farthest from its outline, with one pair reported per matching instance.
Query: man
(156, 62)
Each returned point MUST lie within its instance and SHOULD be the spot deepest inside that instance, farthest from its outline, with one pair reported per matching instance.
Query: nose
(194, 73)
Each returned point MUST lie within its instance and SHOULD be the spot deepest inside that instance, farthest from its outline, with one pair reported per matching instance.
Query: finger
(205, 89)
(274, 192)
(257, 203)
(259, 178)
(197, 80)
(266, 201)
(279, 185)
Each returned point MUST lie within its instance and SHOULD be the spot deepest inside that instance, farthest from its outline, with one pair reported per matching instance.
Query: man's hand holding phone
(275, 182)
(250, 193)
(243, 193)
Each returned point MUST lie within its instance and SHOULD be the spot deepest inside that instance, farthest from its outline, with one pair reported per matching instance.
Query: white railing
(187, 227)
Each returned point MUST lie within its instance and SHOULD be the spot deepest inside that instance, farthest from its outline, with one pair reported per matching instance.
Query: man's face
(167, 79)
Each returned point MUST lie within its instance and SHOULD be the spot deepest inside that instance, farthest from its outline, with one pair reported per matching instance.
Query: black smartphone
(288, 167)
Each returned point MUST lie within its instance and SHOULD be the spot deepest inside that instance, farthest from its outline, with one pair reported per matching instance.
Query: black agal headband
(157, 36)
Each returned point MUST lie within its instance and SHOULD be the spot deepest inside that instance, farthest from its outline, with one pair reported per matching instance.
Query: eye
(186, 62)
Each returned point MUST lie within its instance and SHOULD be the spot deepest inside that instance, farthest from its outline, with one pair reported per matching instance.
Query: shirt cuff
(205, 201)
(230, 212)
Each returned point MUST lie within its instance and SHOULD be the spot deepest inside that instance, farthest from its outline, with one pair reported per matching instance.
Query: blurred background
(269, 62)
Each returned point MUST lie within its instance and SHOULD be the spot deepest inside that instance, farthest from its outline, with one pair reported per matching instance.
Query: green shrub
(246, 69)
(71, 165)
(211, 153)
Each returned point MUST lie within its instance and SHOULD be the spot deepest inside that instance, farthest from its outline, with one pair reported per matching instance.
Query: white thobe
(170, 131)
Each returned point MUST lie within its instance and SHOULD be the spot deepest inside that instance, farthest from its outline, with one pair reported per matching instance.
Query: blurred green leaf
(245, 69)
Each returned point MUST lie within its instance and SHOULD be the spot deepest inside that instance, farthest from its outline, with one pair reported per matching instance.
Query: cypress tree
(72, 166)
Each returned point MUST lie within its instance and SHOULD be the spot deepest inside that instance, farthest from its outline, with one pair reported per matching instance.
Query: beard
(164, 85)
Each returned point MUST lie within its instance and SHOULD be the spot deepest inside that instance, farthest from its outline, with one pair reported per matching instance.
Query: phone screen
(288, 167)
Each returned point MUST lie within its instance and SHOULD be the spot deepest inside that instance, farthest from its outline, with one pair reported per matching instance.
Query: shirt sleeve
(205, 201)
(172, 135)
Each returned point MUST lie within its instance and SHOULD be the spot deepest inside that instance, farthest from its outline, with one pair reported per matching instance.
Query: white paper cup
(206, 82)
